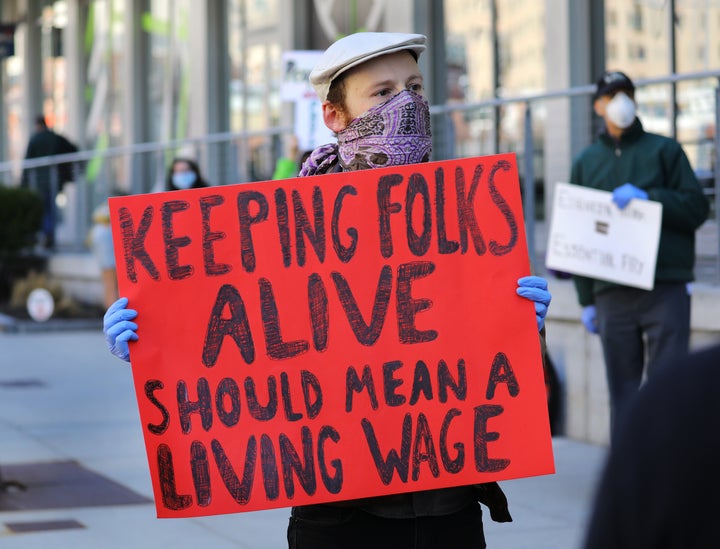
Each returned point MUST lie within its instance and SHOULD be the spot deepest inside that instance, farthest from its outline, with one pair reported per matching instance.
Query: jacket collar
(633, 133)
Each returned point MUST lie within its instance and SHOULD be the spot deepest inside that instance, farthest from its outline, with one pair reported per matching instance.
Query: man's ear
(599, 106)
(333, 117)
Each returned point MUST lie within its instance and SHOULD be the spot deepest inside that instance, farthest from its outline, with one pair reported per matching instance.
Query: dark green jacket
(657, 165)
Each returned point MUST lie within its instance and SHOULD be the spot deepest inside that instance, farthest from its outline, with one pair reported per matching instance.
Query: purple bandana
(394, 133)
(320, 160)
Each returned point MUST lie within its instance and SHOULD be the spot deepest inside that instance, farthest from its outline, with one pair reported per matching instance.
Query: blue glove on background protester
(625, 193)
(119, 328)
(535, 289)
(588, 319)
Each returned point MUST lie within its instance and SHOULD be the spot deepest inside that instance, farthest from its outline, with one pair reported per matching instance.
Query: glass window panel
(469, 50)
(697, 42)
(262, 13)
(167, 25)
(521, 42)
(254, 94)
(254, 51)
(637, 37)
(521, 35)
(697, 37)
(104, 57)
(236, 41)
(104, 72)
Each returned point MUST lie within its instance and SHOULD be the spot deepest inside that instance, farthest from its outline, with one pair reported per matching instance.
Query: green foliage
(20, 219)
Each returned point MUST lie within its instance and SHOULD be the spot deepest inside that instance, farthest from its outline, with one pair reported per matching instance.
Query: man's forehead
(356, 49)
(386, 64)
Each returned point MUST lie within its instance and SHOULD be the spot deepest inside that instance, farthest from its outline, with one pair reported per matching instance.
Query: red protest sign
(333, 337)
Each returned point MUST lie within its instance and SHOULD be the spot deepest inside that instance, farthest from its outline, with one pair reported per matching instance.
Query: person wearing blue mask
(639, 327)
(184, 174)
(373, 98)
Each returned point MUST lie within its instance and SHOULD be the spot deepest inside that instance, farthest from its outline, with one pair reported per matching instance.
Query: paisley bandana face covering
(394, 133)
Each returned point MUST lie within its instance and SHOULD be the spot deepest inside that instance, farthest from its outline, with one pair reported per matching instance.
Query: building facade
(115, 73)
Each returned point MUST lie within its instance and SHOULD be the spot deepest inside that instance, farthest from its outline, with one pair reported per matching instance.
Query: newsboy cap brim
(352, 50)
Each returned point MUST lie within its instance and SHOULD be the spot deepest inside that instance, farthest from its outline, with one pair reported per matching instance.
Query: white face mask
(620, 110)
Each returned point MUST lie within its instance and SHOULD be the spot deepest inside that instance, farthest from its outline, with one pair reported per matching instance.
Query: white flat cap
(357, 48)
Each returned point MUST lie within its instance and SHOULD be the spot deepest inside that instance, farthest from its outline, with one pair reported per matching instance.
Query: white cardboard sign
(310, 129)
(590, 236)
(296, 67)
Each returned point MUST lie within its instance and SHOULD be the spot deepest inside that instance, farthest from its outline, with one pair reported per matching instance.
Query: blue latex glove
(625, 193)
(119, 328)
(535, 289)
(589, 320)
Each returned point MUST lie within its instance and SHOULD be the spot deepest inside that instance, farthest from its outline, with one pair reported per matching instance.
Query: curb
(11, 325)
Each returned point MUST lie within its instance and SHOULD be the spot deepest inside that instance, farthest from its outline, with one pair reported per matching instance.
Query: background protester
(101, 244)
(636, 324)
(45, 142)
(183, 174)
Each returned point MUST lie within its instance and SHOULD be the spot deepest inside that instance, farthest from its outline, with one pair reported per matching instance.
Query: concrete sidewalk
(66, 403)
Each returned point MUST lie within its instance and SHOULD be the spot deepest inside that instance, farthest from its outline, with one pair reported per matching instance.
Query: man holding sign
(636, 165)
(355, 397)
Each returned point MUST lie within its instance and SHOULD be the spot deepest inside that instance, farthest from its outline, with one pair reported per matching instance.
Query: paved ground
(67, 409)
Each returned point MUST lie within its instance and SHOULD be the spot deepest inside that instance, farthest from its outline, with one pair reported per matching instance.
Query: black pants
(636, 325)
(328, 527)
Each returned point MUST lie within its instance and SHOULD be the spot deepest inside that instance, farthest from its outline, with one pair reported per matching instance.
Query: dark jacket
(660, 486)
(657, 165)
(47, 143)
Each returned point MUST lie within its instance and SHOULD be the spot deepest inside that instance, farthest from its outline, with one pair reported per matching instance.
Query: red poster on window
(333, 337)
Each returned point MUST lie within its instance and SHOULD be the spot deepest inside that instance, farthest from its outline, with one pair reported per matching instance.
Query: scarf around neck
(394, 133)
